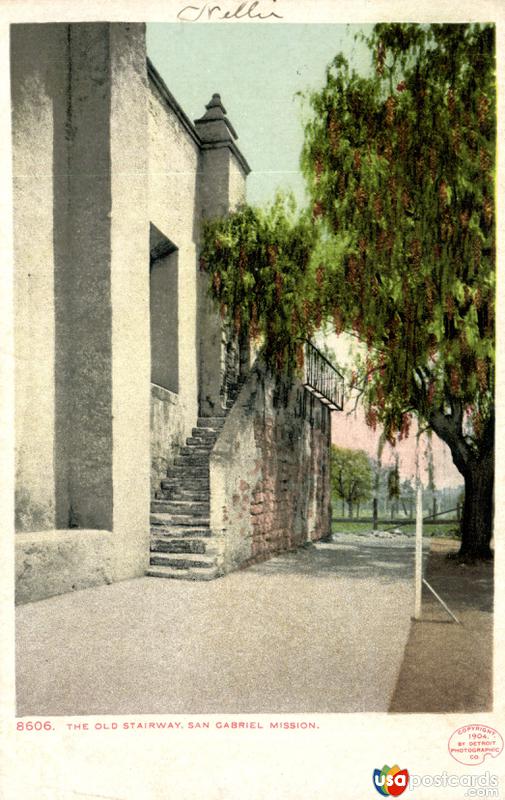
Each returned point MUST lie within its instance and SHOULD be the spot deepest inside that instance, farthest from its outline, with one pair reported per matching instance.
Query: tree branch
(447, 428)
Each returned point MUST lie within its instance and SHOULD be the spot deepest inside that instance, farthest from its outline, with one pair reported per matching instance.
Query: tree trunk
(375, 514)
(477, 469)
(477, 517)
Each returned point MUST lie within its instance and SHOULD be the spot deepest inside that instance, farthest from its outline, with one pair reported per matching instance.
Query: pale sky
(257, 70)
(350, 430)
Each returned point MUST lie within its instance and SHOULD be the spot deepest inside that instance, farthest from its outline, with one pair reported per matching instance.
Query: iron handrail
(322, 379)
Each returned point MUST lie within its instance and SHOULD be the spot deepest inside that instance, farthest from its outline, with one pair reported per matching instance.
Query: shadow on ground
(449, 667)
(385, 561)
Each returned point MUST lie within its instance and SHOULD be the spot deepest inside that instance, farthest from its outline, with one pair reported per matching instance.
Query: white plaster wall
(54, 561)
(237, 184)
(168, 432)
(35, 80)
(222, 189)
(172, 207)
(131, 366)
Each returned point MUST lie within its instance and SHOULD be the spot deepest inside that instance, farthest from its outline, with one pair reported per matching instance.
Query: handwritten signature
(247, 10)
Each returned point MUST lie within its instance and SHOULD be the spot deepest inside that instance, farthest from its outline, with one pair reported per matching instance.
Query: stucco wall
(269, 471)
(168, 432)
(37, 80)
(83, 311)
(130, 300)
(236, 184)
(222, 188)
(53, 562)
(172, 208)
(79, 114)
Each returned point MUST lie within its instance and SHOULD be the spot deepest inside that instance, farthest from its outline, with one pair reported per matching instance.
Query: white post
(419, 539)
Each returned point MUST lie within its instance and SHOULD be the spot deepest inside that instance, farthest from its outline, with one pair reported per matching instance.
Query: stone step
(183, 560)
(195, 450)
(179, 520)
(186, 544)
(181, 543)
(175, 532)
(205, 434)
(177, 495)
(195, 460)
(181, 473)
(201, 441)
(185, 481)
(186, 488)
(212, 423)
(188, 469)
(196, 508)
(184, 574)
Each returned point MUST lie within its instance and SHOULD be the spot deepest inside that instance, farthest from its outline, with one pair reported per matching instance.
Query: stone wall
(269, 471)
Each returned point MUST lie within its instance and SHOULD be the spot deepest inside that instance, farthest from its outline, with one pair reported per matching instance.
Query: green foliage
(400, 168)
(351, 475)
(263, 277)
(398, 246)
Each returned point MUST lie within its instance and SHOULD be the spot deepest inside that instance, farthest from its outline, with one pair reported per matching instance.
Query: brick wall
(269, 471)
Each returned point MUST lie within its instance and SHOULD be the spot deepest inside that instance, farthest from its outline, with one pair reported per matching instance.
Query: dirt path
(448, 667)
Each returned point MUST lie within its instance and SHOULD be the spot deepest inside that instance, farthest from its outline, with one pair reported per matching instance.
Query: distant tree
(407, 498)
(351, 476)
(394, 488)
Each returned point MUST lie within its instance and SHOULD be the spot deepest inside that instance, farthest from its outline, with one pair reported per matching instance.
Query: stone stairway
(181, 542)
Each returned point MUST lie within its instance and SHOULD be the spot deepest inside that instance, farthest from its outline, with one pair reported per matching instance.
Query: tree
(407, 498)
(263, 277)
(394, 488)
(401, 247)
(351, 476)
(400, 167)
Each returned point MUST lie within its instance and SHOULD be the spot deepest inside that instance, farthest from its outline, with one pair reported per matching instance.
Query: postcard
(252, 400)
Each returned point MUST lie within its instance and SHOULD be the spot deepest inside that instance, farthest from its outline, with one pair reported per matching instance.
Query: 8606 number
(38, 725)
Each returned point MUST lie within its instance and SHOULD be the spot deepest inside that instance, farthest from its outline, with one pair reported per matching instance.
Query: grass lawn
(446, 530)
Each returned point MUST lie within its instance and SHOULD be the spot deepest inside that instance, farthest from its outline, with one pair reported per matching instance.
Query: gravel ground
(320, 630)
